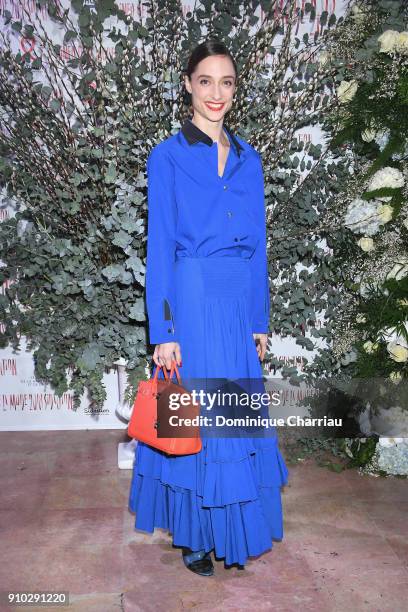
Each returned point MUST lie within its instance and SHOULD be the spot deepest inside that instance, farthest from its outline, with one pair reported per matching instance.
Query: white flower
(386, 177)
(368, 135)
(397, 352)
(362, 217)
(401, 42)
(382, 137)
(393, 460)
(366, 244)
(360, 318)
(385, 213)
(388, 442)
(400, 268)
(370, 347)
(388, 41)
(346, 90)
(403, 302)
(396, 415)
(405, 223)
(357, 13)
(396, 377)
(390, 335)
(390, 423)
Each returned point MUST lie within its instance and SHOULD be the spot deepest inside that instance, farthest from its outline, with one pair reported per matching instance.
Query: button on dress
(207, 288)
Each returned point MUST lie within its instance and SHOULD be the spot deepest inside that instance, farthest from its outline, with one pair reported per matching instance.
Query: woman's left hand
(261, 342)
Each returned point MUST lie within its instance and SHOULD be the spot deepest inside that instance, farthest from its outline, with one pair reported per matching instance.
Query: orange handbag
(149, 422)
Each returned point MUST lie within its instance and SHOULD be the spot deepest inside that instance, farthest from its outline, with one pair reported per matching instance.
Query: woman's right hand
(165, 353)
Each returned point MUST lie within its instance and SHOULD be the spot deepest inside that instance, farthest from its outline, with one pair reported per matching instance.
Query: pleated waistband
(214, 260)
(216, 276)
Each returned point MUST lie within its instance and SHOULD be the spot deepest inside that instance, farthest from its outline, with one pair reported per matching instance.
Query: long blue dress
(207, 288)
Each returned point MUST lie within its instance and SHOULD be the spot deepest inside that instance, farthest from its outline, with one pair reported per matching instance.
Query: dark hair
(203, 50)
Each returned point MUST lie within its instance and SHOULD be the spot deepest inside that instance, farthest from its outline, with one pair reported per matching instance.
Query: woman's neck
(215, 132)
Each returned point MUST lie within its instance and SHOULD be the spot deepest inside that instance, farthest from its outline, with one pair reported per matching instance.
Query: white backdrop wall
(25, 404)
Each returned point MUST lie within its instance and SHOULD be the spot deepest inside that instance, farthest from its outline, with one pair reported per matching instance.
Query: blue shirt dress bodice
(194, 212)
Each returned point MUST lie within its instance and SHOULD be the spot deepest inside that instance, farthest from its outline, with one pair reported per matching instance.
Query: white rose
(402, 42)
(400, 268)
(388, 41)
(397, 352)
(346, 90)
(386, 177)
(366, 244)
(385, 213)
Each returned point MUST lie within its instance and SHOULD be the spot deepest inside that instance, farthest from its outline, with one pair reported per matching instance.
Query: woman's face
(213, 80)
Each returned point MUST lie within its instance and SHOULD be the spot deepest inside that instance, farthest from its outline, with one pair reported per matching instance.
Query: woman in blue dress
(207, 294)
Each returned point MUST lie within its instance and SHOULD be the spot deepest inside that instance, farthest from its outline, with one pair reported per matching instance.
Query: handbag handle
(173, 369)
(156, 373)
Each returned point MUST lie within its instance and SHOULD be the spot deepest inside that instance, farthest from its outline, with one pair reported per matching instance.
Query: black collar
(194, 134)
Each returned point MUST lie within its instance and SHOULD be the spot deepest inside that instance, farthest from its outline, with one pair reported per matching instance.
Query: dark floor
(64, 525)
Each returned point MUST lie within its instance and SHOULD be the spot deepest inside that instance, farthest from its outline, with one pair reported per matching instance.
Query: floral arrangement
(371, 124)
(378, 217)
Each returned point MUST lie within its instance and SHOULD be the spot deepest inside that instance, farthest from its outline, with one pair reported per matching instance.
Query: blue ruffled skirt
(227, 497)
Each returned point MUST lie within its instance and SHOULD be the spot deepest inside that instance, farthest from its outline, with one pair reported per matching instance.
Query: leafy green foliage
(74, 254)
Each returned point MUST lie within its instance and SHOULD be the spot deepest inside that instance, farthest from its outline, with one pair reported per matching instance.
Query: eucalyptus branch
(48, 49)
(41, 129)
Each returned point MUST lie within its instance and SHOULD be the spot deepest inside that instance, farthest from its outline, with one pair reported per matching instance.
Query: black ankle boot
(198, 562)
